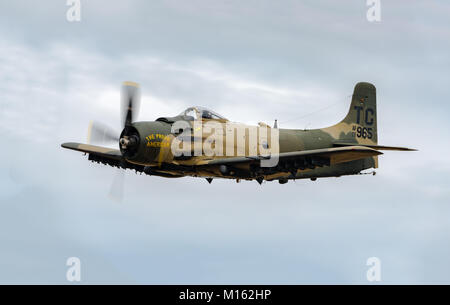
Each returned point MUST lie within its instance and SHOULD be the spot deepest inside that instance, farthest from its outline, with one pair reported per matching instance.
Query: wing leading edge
(93, 149)
(105, 155)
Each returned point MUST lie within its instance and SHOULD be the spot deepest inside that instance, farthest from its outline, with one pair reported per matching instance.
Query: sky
(251, 61)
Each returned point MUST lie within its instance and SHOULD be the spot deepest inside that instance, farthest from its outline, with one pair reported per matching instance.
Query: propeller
(99, 133)
(129, 108)
(129, 138)
(117, 186)
(130, 103)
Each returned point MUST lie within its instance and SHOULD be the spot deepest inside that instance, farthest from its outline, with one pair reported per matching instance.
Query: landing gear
(313, 179)
(209, 180)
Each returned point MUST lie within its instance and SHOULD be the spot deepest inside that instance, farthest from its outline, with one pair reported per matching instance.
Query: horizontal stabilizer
(377, 147)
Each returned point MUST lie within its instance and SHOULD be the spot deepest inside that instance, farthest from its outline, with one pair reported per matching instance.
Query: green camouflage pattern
(346, 148)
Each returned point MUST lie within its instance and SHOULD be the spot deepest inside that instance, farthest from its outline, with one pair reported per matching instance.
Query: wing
(105, 155)
(331, 155)
(97, 150)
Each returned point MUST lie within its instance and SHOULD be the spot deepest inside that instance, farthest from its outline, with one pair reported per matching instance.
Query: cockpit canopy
(198, 112)
(193, 114)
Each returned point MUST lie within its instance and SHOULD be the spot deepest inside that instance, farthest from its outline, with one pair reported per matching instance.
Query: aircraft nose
(149, 138)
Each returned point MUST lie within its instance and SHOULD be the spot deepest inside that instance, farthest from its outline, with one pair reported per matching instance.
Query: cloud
(252, 61)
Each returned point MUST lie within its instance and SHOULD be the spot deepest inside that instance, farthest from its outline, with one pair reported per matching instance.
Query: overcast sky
(250, 61)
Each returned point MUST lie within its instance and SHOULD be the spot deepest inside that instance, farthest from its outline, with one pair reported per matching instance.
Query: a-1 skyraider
(346, 148)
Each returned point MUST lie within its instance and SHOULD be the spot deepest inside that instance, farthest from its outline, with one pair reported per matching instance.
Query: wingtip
(65, 145)
(404, 149)
(70, 145)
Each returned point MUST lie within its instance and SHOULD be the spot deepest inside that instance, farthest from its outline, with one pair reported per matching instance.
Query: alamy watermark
(374, 10)
(221, 139)
(73, 273)
(74, 12)
(374, 272)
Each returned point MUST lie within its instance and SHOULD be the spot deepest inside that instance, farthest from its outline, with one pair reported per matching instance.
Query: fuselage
(156, 150)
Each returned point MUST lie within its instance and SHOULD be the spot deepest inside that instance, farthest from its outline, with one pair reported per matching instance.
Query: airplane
(153, 147)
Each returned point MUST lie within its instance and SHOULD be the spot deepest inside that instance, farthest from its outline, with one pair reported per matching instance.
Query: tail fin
(360, 124)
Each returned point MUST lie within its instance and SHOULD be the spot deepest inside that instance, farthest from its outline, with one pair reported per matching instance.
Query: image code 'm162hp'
(246, 294)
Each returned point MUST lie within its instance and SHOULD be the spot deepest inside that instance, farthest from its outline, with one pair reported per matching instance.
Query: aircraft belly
(336, 170)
